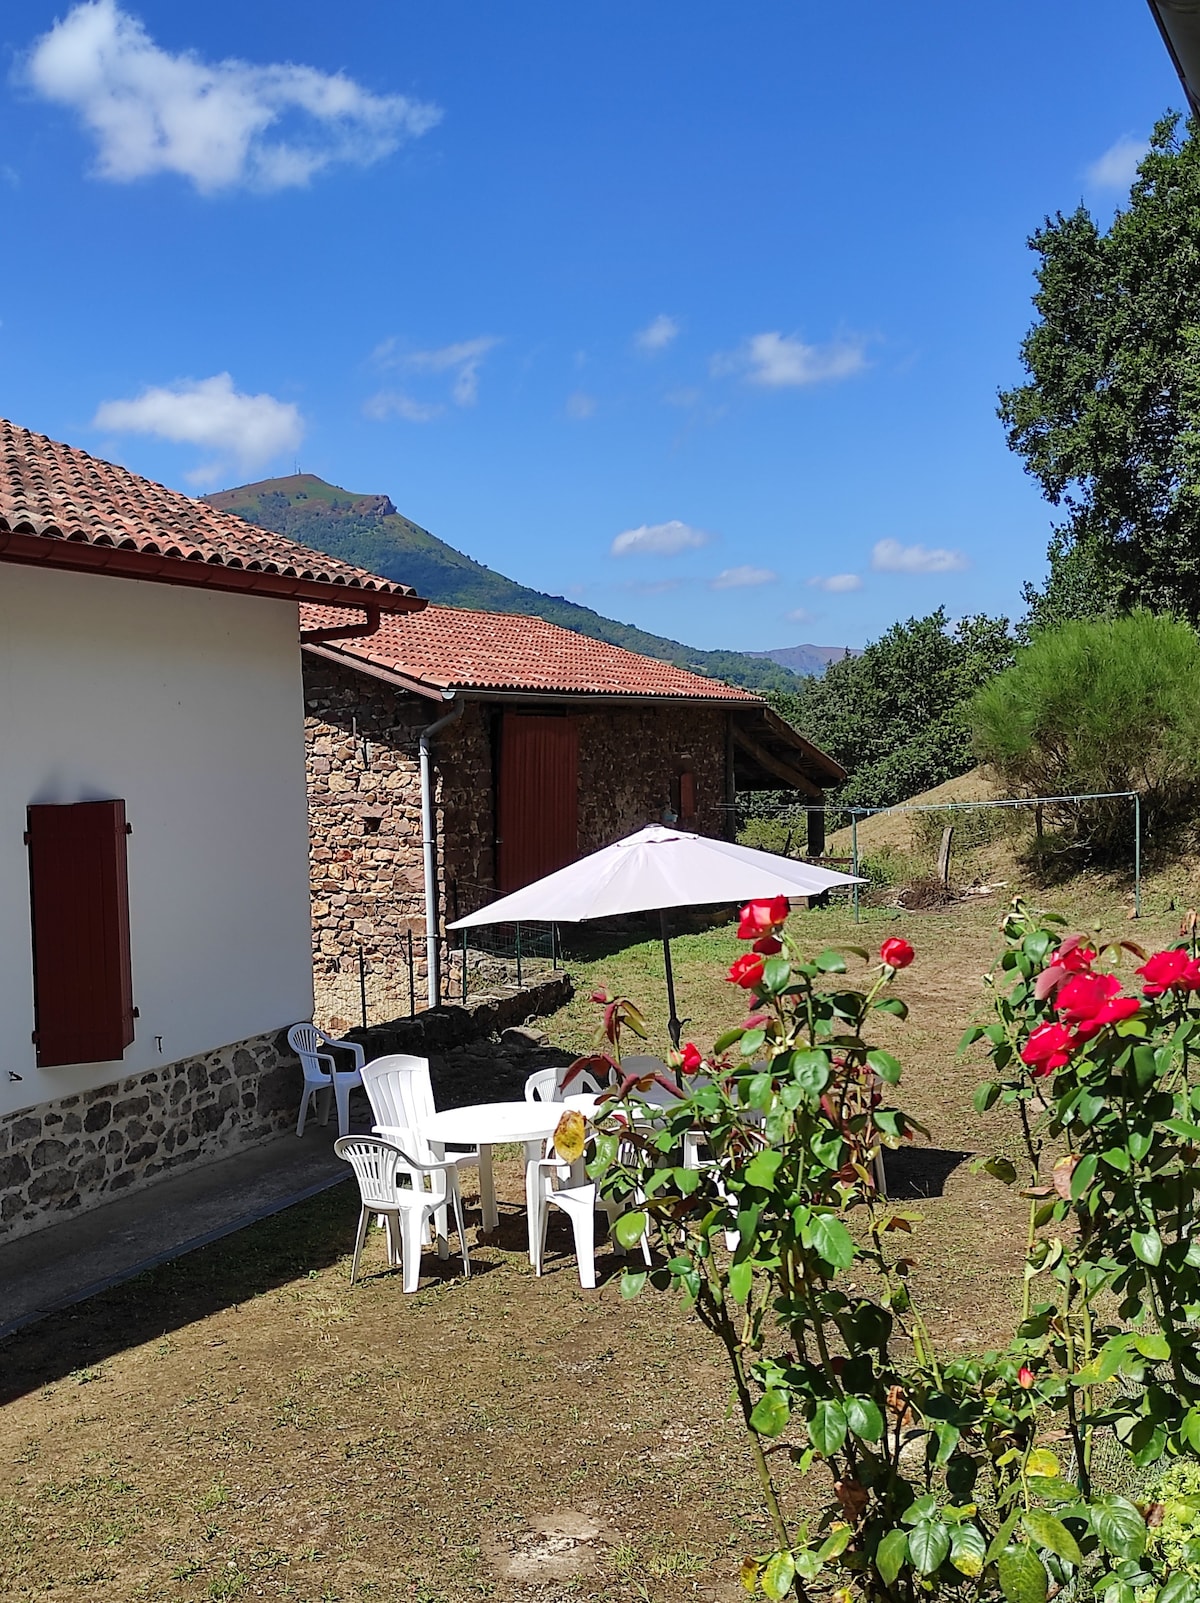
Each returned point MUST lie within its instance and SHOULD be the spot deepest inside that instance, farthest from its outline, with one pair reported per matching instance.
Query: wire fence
(764, 824)
(363, 987)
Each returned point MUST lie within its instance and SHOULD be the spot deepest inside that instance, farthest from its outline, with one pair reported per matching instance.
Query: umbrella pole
(673, 1024)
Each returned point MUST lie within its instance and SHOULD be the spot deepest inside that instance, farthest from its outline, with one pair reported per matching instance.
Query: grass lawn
(242, 1424)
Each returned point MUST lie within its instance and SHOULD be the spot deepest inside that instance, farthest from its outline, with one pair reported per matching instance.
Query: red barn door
(538, 810)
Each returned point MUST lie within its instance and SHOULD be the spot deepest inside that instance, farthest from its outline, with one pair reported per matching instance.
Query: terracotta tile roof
(64, 508)
(453, 648)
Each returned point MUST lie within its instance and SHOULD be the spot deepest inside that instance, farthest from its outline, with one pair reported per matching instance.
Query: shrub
(1102, 704)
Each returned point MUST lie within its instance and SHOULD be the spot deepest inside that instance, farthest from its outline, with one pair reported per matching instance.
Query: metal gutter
(433, 975)
(1179, 23)
(343, 631)
(387, 676)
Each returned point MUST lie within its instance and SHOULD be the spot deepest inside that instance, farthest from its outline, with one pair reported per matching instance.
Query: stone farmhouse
(454, 756)
(154, 888)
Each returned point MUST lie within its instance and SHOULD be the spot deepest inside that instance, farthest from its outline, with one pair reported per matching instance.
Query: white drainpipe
(433, 975)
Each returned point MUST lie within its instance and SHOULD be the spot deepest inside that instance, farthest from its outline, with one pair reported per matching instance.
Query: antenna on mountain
(297, 467)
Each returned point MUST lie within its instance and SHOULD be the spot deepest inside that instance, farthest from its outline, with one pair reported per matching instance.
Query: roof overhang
(1179, 23)
(80, 556)
(769, 755)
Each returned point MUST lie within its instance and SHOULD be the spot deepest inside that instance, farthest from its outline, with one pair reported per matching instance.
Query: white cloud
(656, 336)
(740, 578)
(1117, 168)
(889, 556)
(392, 403)
(248, 430)
(221, 124)
(659, 539)
(802, 615)
(780, 361)
(685, 396)
(581, 405)
(464, 359)
(836, 583)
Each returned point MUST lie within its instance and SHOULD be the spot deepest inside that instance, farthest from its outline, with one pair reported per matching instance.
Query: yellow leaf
(1041, 1462)
(569, 1135)
(748, 1574)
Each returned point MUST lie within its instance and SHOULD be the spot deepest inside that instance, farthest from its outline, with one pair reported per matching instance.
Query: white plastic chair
(551, 1180)
(400, 1091)
(546, 1085)
(307, 1041)
(405, 1191)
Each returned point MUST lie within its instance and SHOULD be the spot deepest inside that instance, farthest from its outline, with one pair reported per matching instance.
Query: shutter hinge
(25, 837)
(129, 829)
(137, 1012)
(35, 1037)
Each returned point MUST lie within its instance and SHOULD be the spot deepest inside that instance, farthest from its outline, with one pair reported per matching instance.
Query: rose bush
(971, 1477)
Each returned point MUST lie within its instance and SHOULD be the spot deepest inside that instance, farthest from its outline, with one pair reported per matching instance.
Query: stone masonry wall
(66, 1156)
(365, 811)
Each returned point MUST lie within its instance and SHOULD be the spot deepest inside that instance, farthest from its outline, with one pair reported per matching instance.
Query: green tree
(894, 716)
(1109, 421)
(1102, 704)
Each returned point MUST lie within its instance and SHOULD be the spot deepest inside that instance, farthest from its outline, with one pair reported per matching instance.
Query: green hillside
(367, 530)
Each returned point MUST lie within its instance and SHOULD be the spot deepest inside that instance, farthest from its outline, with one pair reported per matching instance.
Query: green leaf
(829, 1236)
(1052, 1534)
(1082, 1175)
(929, 1546)
(863, 1418)
(890, 1555)
(1190, 1429)
(762, 1169)
(777, 971)
(778, 1575)
(770, 1414)
(724, 1042)
(632, 1284)
(1147, 1245)
(830, 962)
(760, 1092)
(827, 1427)
(1180, 1589)
(630, 1228)
(985, 1096)
(751, 1041)
(810, 1070)
(967, 1550)
(884, 1065)
(741, 1278)
(893, 1005)
(1117, 1158)
(1001, 1169)
(1041, 1463)
(1154, 1346)
(836, 1543)
(1119, 1527)
(1022, 1575)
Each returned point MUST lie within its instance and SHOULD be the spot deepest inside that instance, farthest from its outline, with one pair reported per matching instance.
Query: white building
(154, 912)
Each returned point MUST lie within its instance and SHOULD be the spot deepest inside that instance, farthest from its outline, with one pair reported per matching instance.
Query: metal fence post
(519, 980)
(362, 985)
(412, 984)
(464, 958)
(854, 857)
(1137, 854)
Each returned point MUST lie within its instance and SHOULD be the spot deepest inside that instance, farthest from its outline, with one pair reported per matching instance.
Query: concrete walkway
(87, 1253)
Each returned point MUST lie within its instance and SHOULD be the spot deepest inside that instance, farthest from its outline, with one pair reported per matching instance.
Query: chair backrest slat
(400, 1091)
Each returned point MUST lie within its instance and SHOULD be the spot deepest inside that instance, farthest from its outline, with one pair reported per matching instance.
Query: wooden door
(538, 811)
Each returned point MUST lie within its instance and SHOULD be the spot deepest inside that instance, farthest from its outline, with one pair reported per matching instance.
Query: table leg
(487, 1190)
(533, 1151)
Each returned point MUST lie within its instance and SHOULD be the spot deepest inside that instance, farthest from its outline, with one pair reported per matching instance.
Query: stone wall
(365, 811)
(66, 1156)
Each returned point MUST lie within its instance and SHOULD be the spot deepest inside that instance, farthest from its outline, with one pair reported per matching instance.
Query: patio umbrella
(655, 870)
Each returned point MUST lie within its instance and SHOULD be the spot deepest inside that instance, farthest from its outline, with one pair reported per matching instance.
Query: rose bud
(896, 952)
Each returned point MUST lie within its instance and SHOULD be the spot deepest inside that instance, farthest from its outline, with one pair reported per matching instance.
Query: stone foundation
(65, 1156)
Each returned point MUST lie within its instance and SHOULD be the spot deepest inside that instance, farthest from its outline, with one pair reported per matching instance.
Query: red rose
(1083, 995)
(746, 971)
(1110, 1012)
(896, 953)
(599, 996)
(767, 945)
(691, 1058)
(1026, 1377)
(1165, 971)
(1074, 956)
(761, 916)
(1048, 1048)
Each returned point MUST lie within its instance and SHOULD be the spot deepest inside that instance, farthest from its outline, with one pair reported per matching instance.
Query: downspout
(433, 976)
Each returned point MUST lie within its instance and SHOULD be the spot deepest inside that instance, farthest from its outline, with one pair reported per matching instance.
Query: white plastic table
(489, 1124)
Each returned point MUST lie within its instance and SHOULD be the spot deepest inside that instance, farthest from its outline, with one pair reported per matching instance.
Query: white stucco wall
(187, 704)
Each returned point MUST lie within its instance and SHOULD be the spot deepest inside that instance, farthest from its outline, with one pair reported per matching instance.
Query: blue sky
(692, 312)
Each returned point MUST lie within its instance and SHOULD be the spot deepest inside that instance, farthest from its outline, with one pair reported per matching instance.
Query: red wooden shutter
(539, 797)
(79, 887)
